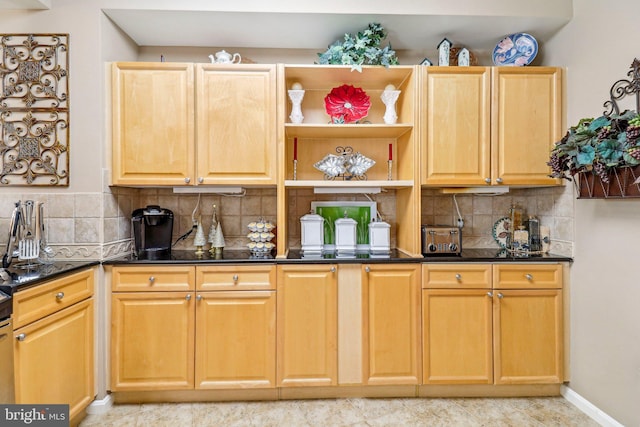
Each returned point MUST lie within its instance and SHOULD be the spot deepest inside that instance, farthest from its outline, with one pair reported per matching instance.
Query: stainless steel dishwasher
(7, 390)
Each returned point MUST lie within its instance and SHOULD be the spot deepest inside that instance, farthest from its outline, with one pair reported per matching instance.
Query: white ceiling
(318, 30)
(25, 4)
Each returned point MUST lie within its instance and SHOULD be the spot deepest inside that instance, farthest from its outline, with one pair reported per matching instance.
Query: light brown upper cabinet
(177, 124)
(236, 117)
(489, 125)
(153, 123)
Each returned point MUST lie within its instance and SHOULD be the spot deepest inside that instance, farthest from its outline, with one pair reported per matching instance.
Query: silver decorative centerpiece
(346, 165)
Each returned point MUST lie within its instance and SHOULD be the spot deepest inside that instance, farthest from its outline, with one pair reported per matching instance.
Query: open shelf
(348, 184)
(346, 130)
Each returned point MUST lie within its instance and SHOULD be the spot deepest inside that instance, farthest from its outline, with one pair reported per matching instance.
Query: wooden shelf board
(346, 130)
(349, 184)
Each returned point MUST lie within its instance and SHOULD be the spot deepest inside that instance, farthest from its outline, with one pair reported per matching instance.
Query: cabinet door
(457, 337)
(152, 341)
(153, 123)
(527, 121)
(528, 336)
(54, 359)
(456, 122)
(307, 325)
(391, 323)
(236, 109)
(235, 339)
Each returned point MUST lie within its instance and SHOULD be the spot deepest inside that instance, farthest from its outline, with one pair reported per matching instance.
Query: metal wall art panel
(34, 109)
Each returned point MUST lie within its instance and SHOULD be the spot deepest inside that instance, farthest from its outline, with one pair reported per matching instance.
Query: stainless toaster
(441, 240)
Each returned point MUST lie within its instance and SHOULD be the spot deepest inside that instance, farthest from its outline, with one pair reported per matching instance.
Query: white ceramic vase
(389, 98)
(296, 95)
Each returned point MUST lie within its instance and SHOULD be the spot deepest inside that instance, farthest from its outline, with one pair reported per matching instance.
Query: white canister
(312, 232)
(379, 237)
(346, 235)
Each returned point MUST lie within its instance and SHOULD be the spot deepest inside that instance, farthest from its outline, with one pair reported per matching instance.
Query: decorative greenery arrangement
(361, 49)
(599, 145)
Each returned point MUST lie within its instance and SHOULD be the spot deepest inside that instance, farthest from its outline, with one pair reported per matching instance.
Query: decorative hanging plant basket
(602, 155)
(622, 182)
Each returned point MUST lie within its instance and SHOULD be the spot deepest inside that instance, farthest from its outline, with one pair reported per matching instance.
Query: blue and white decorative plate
(501, 231)
(516, 50)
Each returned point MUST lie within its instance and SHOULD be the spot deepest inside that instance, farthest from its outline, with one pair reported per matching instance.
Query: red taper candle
(390, 151)
(295, 148)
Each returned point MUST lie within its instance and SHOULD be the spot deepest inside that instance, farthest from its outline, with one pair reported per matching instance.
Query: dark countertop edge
(70, 267)
(296, 258)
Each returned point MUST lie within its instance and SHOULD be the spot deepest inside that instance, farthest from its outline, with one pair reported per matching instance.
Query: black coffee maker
(152, 229)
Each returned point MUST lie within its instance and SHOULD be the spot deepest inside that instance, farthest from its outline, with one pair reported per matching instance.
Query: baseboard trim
(588, 408)
(102, 406)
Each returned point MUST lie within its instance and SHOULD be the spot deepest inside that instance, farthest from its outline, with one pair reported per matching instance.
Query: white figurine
(463, 57)
(443, 52)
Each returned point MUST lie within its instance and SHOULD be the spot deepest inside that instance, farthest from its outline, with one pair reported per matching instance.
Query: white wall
(597, 47)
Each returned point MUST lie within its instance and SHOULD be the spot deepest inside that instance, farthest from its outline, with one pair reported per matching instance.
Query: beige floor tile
(411, 412)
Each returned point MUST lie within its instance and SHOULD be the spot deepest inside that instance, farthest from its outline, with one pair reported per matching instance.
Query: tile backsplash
(98, 225)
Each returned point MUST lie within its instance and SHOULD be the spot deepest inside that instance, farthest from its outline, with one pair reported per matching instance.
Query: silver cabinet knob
(198, 297)
(500, 295)
(200, 180)
(188, 297)
(59, 295)
(21, 337)
(499, 180)
(490, 294)
(235, 278)
(187, 180)
(487, 180)
(458, 277)
(367, 269)
(528, 277)
(152, 279)
(332, 269)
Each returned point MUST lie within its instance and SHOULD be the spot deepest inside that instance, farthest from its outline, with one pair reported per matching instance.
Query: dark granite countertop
(190, 257)
(495, 255)
(297, 256)
(23, 275)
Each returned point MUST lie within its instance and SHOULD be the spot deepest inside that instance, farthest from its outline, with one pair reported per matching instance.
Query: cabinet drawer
(228, 277)
(153, 278)
(527, 276)
(42, 300)
(456, 276)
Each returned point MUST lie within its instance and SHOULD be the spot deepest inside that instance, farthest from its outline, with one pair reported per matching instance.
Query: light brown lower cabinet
(307, 325)
(391, 324)
(195, 339)
(492, 324)
(53, 346)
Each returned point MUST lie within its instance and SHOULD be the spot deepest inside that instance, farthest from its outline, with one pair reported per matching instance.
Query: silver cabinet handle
(59, 295)
(200, 180)
(235, 278)
(187, 180)
(188, 297)
(500, 295)
(199, 298)
(528, 276)
(367, 269)
(499, 180)
(490, 294)
(487, 180)
(458, 277)
(332, 269)
(152, 279)
(21, 337)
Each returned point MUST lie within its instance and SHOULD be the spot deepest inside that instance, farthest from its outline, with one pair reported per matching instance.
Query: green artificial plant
(361, 49)
(598, 144)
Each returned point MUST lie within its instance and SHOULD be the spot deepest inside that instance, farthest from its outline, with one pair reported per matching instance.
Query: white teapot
(224, 57)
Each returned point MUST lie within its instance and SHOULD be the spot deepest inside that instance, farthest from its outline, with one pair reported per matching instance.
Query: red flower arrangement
(347, 104)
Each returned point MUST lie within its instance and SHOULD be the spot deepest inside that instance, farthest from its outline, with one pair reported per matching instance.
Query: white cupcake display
(260, 237)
